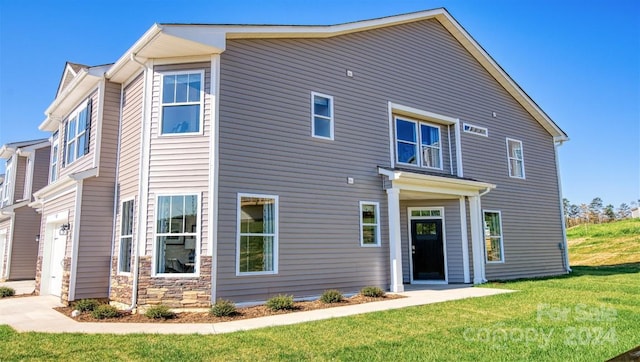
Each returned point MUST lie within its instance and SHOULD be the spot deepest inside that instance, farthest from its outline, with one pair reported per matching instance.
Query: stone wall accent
(121, 285)
(175, 292)
(66, 277)
(38, 274)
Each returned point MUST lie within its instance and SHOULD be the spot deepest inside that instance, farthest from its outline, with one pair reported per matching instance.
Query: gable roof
(179, 40)
(9, 149)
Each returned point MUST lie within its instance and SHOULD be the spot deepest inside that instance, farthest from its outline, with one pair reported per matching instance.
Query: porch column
(477, 238)
(395, 249)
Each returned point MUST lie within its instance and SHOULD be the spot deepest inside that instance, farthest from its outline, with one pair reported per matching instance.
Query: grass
(605, 244)
(591, 314)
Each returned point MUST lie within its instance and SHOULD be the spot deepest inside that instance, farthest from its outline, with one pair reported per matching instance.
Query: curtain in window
(269, 228)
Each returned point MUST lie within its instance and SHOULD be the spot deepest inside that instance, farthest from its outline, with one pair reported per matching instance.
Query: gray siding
(24, 251)
(265, 120)
(20, 170)
(452, 236)
(64, 203)
(41, 168)
(86, 161)
(179, 164)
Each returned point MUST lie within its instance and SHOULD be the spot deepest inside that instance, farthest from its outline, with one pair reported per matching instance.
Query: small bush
(104, 311)
(159, 311)
(331, 296)
(7, 292)
(223, 308)
(86, 305)
(280, 302)
(372, 292)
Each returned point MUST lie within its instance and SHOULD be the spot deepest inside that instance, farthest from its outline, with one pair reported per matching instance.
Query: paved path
(36, 314)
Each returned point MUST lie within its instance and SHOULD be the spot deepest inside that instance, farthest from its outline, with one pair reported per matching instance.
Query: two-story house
(25, 171)
(257, 160)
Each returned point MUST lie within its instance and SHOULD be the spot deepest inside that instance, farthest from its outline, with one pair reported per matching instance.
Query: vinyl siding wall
(86, 161)
(179, 164)
(265, 120)
(21, 173)
(24, 251)
(452, 237)
(41, 168)
(62, 204)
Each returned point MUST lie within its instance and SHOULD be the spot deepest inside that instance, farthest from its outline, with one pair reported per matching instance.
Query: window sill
(248, 274)
(370, 245)
(176, 275)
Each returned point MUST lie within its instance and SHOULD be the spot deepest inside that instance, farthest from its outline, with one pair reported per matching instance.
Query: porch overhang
(418, 185)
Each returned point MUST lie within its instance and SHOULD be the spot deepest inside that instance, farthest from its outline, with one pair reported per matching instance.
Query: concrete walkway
(21, 286)
(27, 314)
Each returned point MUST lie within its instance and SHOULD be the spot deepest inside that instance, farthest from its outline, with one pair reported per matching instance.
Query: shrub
(280, 302)
(373, 292)
(86, 305)
(159, 311)
(7, 292)
(223, 308)
(331, 296)
(104, 311)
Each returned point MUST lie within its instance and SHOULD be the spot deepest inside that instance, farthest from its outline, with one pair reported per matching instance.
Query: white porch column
(477, 238)
(465, 240)
(395, 249)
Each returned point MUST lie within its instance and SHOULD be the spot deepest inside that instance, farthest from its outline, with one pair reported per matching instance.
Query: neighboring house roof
(180, 40)
(11, 148)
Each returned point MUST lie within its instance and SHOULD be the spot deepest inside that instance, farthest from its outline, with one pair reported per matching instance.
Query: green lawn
(605, 244)
(591, 315)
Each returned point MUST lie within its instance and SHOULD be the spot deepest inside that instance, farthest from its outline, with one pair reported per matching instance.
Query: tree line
(595, 212)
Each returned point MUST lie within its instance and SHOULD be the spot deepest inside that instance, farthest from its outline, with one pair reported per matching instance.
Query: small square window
(182, 102)
(322, 116)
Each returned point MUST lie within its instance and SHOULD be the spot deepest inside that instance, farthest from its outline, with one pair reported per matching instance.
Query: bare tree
(595, 209)
(624, 211)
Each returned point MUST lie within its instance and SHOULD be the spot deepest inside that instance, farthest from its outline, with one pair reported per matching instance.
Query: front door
(58, 244)
(427, 250)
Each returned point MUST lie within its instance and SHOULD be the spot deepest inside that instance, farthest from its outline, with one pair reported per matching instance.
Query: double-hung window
(177, 234)
(5, 191)
(515, 158)
(257, 240)
(53, 172)
(126, 236)
(369, 223)
(181, 103)
(77, 133)
(322, 117)
(418, 143)
(493, 236)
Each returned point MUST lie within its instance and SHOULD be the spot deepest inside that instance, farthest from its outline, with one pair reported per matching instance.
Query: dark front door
(427, 250)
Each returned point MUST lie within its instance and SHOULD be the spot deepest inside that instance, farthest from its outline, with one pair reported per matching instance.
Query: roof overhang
(6, 152)
(431, 186)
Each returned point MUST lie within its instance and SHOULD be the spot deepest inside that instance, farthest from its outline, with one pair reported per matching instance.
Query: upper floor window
(493, 236)
(515, 158)
(176, 234)
(55, 144)
(4, 191)
(77, 133)
(322, 117)
(257, 234)
(182, 102)
(418, 143)
(369, 224)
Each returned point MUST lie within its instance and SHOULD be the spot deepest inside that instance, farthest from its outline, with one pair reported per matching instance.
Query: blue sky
(579, 60)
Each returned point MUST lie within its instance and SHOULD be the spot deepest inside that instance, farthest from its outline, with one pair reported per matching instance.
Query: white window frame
(313, 116)
(510, 157)
(74, 116)
(55, 157)
(418, 144)
(484, 237)
(475, 130)
(130, 236)
(196, 268)
(200, 131)
(7, 183)
(275, 234)
(377, 224)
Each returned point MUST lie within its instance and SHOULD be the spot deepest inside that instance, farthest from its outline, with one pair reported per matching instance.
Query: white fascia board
(126, 57)
(410, 177)
(421, 114)
(211, 37)
(6, 152)
(79, 88)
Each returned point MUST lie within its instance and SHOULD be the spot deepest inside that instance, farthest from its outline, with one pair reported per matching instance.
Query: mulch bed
(242, 312)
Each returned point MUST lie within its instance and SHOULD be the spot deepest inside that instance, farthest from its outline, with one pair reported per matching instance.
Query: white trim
(392, 145)
(75, 240)
(565, 245)
(377, 225)
(465, 240)
(8, 184)
(331, 117)
(420, 114)
(395, 240)
(9, 246)
(99, 124)
(212, 237)
(55, 150)
(161, 103)
(459, 168)
(477, 239)
(276, 230)
(29, 175)
(198, 234)
(475, 130)
(65, 126)
(502, 256)
(145, 146)
(119, 236)
(51, 226)
(3, 246)
(509, 158)
(183, 60)
(444, 242)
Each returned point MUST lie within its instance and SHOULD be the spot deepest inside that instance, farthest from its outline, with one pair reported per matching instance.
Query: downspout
(564, 245)
(136, 255)
(116, 191)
